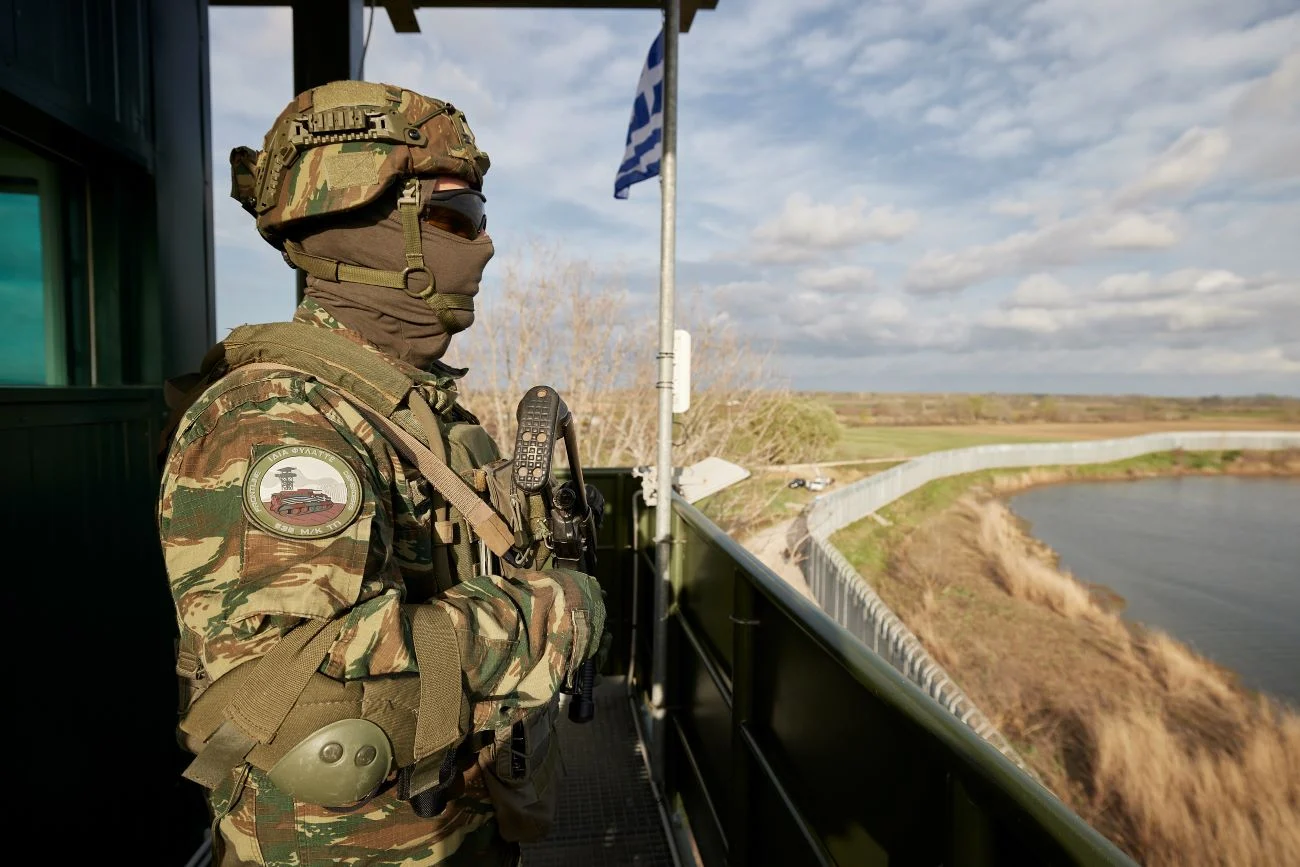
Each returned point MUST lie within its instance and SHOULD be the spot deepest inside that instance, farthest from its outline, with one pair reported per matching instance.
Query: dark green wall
(89, 623)
(84, 64)
(115, 93)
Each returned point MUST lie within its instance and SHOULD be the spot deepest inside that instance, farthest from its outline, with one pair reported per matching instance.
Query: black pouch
(522, 771)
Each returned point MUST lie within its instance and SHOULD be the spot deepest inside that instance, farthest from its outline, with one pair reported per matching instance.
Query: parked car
(796, 483)
(820, 483)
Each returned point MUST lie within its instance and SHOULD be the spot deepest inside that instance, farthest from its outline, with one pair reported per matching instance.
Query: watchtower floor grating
(607, 813)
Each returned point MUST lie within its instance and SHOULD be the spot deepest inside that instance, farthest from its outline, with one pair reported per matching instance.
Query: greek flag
(645, 132)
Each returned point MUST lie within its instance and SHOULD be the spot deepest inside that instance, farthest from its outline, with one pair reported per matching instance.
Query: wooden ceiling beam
(401, 13)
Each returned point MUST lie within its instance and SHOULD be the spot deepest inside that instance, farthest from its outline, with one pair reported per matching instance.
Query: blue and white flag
(645, 132)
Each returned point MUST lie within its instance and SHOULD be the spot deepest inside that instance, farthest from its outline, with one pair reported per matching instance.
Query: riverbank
(1158, 748)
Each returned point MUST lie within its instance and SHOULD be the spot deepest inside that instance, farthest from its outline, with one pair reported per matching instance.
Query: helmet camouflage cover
(337, 147)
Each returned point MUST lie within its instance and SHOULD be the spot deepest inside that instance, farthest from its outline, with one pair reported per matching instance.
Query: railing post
(744, 646)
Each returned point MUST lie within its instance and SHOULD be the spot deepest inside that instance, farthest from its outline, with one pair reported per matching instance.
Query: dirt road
(769, 546)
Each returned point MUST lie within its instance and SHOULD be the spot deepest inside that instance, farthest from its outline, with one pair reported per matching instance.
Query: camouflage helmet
(339, 146)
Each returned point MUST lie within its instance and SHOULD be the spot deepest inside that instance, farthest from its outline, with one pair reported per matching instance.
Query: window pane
(22, 285)
(33, 291)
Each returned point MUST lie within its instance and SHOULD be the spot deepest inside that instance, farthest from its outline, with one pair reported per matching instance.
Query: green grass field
(900, 442)
(764, 499)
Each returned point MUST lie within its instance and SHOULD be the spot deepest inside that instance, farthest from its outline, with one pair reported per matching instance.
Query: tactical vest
(279, 714)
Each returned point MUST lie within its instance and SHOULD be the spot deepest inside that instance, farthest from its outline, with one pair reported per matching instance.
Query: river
(1214, 561)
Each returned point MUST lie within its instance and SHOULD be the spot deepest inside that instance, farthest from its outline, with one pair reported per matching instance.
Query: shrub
(791, 429)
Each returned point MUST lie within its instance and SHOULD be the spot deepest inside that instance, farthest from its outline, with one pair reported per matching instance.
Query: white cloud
(1186, 304)
(842, 278)
(1057, 242)
(887, 311)
(1033, 320)
(999, 144)
(1041, 212)
(1108, 223)
(881, 57)
(746, 38)
(803, 229)
(1186, 165)
(1040, 290)
(1266, 122)
(1134, 232)
(822, 48)
(941, 115)
(1012, 208)
(1269, 360)
(1186, 281)
(902, 101)
(1275, 94)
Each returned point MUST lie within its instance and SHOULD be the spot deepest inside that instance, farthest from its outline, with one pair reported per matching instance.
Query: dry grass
(1182, 673)
(1179, 803)
(1158, 748)
(1021, 573)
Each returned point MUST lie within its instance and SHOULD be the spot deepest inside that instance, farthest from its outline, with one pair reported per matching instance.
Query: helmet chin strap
(408, 211)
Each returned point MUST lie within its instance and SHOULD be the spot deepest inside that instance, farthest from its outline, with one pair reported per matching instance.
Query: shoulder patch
(301, 492)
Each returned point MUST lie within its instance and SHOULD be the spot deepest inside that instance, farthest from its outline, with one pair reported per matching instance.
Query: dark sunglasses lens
(458, 211)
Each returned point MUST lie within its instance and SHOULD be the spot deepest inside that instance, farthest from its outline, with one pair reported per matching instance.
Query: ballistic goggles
(459, 211)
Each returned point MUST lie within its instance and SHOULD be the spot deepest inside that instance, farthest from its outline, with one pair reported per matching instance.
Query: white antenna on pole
(681, 371)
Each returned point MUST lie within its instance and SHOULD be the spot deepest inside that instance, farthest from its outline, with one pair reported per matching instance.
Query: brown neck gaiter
(401, 325)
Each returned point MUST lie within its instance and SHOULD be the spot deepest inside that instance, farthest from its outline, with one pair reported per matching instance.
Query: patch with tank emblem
(301, 492)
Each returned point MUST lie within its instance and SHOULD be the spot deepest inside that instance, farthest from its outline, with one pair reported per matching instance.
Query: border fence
(851, 602)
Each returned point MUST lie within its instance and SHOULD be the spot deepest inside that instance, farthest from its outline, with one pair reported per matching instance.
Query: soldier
(371, 642)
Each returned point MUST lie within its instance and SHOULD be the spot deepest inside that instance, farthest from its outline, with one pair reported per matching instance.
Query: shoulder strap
(307, 348)
(377, 390)
(489, 525)
(491, 528)
(322, 353)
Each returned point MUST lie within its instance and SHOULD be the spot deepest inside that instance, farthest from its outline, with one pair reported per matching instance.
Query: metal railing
(789, 742)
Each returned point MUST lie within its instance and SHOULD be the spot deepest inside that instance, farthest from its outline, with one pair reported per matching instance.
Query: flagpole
(664, 466)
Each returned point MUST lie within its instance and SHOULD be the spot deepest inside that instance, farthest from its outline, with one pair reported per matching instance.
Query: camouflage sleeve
(522, 637)
(269, 515)
(274, 509)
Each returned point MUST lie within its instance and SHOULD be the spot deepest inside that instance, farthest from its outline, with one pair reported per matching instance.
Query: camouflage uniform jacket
(238, 586)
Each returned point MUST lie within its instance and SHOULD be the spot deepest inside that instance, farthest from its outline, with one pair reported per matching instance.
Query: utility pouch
(429, 783)
(526, 513)
(522, 771)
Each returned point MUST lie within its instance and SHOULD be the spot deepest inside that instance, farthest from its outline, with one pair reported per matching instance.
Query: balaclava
(397, 321)
(338, 187)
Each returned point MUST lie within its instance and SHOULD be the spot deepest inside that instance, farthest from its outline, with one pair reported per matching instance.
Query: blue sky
(939, 195)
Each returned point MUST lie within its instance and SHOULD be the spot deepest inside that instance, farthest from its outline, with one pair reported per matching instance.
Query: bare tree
(552, 320)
